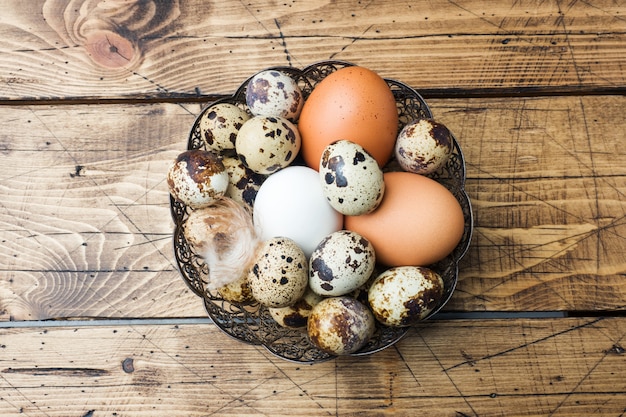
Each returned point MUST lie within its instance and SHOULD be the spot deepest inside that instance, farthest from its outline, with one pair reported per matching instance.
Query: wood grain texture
(455, 368)
(97, 98)
(76, 49)
(85, 228)
(547, 179)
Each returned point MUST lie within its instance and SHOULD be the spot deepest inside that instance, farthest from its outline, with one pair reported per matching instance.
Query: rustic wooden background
(97, 97)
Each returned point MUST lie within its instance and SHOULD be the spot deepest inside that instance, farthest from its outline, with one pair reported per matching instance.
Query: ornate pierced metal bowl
(252, 323)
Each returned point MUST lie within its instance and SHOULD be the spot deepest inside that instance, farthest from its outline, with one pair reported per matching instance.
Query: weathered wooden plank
(547, 179)
(85, 228)
(564, 367)
(86, 49)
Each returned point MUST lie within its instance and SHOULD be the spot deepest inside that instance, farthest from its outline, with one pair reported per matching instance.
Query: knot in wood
(128, 365)
(109, 49)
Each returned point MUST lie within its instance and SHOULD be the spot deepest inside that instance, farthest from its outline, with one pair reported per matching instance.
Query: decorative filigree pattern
(252, 323)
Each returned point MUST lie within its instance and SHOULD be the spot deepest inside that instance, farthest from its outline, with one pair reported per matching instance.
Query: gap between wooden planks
(54, 49)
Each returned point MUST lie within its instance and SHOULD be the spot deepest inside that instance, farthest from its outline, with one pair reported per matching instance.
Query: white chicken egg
(423, 146)
(197, 178)
(274, 93)
(351, 179)
(278, 277)
(404, 295)
(340, 325)
(219, 125)
(266, 144)
(290, 203)
(342, 262)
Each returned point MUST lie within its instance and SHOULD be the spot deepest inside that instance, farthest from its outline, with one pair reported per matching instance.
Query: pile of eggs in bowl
(291, 207)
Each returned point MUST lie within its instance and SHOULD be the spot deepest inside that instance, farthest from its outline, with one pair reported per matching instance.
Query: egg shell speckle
(244, 183)
(267, 144)
(351, 179)
(403, 296)
(423, 146)
(278, 278)
(342, 262)
(219, 125)
(274, 93)
(296, 315)
(237, 291)
(197, 178)
(340, 325)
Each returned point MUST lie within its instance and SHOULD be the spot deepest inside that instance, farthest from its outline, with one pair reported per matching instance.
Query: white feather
(228, 243)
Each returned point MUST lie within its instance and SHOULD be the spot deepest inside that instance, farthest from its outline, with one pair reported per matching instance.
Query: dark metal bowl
(252, 323)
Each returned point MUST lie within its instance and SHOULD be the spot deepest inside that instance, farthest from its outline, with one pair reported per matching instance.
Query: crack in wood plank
(58, 371)
(525, 345)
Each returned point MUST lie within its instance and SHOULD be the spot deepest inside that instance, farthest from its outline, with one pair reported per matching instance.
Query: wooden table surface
(97, 98)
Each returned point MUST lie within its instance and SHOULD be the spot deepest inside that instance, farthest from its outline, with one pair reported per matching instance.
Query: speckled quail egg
(243, 182)
(237, 291)
(351, 179)
(423, 146)
(197, 178)
(342, 262)
(267, 144)
(219, 125)
(340, 325)
(278, 277)
(274, 93)
(296, 315)
(402, 296)
(361, 292)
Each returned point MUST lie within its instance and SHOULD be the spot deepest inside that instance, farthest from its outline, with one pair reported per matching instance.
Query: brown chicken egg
(352, 103)
(418, 222)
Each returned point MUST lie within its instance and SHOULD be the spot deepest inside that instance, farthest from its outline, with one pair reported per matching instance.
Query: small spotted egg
(404, 295)
(342, 262)
(296, 316)
(278, 277)
(197, 178)
(274, 93)
(423, 146)
(340, 325)
(267, 144)
(219, 125)
(237, 291)
(351, 179)
(243, 182)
